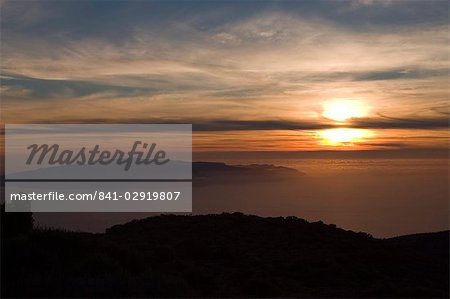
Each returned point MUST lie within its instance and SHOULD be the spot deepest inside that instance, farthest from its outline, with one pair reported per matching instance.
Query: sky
(250, 76)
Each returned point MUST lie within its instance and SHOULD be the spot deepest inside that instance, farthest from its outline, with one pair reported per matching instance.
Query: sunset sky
(249, 76)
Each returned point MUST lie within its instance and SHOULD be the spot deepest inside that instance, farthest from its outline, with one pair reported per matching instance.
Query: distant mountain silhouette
(217, 173)
(200, 170)
(226, 255)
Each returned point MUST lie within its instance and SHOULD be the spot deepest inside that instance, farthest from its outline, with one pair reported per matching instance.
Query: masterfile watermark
(53, 155)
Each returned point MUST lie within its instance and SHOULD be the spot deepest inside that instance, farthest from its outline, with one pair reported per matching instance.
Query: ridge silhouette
(223, 255)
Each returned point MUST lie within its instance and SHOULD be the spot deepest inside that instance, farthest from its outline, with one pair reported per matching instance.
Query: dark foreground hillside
(227, 255)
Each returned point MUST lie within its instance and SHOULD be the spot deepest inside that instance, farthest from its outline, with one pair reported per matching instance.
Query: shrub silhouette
(17, 223)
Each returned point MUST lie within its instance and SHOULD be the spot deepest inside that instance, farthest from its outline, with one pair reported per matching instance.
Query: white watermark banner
(98, 168)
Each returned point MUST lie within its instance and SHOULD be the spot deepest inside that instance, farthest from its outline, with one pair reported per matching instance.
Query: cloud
(201, 125)
(401, 123)
(375, 123)
(36, 89)
(363, 3)
(402, 74)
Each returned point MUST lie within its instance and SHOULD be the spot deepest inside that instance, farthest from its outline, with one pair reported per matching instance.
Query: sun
(343, 136)
(342, 109)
